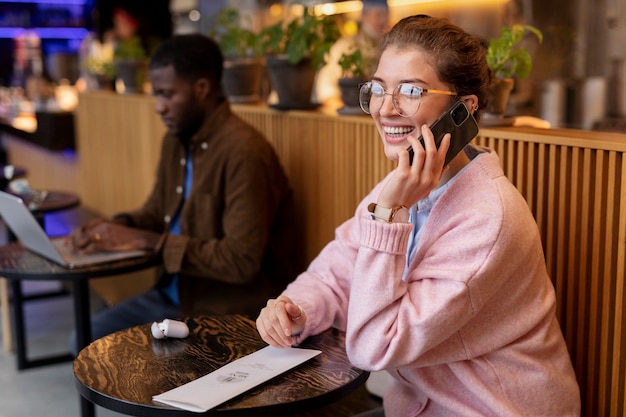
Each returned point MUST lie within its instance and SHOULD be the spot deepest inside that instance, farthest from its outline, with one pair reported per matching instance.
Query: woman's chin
(391, 152)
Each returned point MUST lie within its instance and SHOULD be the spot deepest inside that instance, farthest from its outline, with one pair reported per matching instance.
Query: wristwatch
(390, 215)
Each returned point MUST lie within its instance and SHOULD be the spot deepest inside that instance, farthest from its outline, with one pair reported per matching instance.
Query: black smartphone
(459, 122)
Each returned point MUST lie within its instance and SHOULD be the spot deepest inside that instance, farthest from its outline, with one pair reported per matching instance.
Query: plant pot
(242, 79)
(132, 73)
(293, 83)
(104, 83)
(349, 88)
(499, 97)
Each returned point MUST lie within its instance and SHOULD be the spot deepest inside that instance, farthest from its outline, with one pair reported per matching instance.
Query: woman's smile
(396, 134)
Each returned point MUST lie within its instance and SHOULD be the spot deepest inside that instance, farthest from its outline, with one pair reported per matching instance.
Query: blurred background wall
(579, 70)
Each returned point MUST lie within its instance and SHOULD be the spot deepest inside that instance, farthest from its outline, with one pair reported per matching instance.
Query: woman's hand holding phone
(412, 182)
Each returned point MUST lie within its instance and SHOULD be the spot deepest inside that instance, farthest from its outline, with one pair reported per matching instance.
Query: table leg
(7, 336)
(19, 331)
(82, 313)
(82, 316)
(18, 319)
(87, 409)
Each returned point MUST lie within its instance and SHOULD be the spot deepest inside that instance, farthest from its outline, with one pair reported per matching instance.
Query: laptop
(29, 232)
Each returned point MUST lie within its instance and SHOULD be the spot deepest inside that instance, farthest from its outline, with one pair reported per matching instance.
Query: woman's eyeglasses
(405, 97)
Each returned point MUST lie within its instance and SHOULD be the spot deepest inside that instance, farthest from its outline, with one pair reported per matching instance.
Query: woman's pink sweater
(472, 330)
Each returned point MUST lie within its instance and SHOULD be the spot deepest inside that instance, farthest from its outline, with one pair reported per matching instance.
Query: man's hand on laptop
(102, 235)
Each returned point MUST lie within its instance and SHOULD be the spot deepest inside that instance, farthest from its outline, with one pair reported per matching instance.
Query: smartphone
(459, 122)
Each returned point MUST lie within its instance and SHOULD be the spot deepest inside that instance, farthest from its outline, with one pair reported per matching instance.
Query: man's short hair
(193, 56)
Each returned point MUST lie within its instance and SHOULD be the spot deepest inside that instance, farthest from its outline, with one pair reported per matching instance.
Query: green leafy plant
(234, 40)
(305, 36)
(129, 49)
(506, 57)
(101, 67)
(355, 64)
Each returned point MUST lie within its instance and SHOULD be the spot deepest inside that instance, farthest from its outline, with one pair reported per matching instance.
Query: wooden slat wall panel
(119, 140)
(618, 365)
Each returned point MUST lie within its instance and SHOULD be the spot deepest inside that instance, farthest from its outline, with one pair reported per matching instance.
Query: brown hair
(458, 57)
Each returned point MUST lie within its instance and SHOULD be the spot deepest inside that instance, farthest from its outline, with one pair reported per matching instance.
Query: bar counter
(54, 130)
(574, 182)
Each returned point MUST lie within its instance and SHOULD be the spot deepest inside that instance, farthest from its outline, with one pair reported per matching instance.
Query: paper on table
(234, 378)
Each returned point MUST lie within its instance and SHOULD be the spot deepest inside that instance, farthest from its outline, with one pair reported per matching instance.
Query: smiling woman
(435, 249)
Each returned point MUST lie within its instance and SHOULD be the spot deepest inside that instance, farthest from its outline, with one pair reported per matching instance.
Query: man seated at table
(220, 213)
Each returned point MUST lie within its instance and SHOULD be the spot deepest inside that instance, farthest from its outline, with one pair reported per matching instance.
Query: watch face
(401, 215)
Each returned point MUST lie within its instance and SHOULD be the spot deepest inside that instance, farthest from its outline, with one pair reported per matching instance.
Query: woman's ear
(471, 102)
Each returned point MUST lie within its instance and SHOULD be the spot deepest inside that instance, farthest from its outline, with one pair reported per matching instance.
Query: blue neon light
(81, 2)
(46, 33)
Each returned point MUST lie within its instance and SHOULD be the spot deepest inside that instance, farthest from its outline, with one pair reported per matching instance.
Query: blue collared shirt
(172, 288)
(418, 214)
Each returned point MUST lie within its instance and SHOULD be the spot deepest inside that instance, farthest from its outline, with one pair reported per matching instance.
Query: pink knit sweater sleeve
(323, 289)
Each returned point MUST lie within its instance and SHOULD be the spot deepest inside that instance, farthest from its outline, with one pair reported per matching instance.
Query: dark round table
(122, 371)
(52, 201)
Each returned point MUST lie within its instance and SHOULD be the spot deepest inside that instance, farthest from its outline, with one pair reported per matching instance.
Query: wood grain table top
(122, 371)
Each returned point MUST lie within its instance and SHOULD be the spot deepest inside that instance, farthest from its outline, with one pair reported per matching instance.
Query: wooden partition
(574, 183)
(119, 141)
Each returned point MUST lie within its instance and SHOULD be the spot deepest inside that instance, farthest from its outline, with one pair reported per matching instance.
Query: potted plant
(355, 69)
(130, 62)
(243, 57)
(295, 50)
(101, 70)
(507, 59)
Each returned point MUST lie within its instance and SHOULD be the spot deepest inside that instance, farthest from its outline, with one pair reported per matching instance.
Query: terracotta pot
(104, 82)
(132, 73)
(499, 97)
(242, 79)
(349, 88)
(293, 83)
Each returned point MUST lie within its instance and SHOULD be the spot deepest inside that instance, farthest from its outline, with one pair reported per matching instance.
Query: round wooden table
(43, 202)
(122, 371)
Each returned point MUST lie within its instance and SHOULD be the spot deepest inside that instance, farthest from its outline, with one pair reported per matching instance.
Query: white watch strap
(382, 213)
